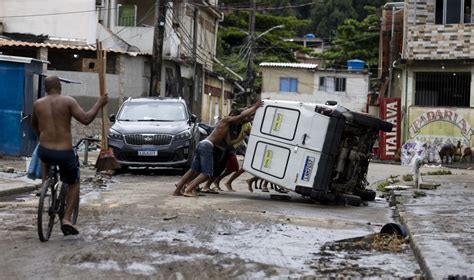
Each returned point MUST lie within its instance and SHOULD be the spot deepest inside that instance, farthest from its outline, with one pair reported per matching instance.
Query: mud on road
(134, 228)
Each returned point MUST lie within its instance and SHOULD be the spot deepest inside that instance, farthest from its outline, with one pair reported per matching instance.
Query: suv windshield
(153, 111)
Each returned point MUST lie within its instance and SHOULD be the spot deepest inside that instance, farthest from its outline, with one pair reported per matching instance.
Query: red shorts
(232, 164)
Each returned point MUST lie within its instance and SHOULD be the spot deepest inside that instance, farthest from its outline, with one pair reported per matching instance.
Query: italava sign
(446, 115)
(390, 141)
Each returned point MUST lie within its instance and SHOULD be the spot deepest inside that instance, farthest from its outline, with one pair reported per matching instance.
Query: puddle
(103, 265)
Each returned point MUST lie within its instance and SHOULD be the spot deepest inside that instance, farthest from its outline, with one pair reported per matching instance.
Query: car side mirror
(193, 118)
(331, 103)
(112, 118)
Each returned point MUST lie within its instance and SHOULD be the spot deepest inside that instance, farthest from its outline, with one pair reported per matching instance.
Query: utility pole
(158, 37)
(196, 94)
(250, 68)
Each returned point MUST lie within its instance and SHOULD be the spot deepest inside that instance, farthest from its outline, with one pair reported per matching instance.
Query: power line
(267, 8)
(63, 13)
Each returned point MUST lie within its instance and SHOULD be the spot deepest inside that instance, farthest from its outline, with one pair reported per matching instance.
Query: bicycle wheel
(46, 211)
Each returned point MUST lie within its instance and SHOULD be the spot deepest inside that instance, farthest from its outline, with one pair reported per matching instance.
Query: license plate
(148, 153)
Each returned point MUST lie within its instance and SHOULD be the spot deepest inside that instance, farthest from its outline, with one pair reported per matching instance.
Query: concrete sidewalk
(13, 175)
(13, 178)
(440, 226)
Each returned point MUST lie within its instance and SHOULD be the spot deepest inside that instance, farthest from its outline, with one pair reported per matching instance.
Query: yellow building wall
(441, 125)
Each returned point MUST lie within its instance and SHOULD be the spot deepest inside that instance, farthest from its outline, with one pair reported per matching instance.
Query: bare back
(54, 113)
(220, 131)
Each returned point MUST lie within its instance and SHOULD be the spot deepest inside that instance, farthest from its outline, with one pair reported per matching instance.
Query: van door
(281, 163)
(292, 123)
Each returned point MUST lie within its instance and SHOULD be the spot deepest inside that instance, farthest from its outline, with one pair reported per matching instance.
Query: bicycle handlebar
(85, 139)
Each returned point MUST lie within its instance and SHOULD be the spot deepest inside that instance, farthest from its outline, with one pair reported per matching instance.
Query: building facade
(437, 72)
(307, 83)
(65, 35)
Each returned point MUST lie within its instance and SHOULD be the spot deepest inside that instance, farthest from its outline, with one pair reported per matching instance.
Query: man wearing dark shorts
(66, 160)
(51, 119)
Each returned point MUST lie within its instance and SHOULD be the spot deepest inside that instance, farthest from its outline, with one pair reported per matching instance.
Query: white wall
(130, 83)
(89, 86)
(140, 37)
(354, 98)
(79, 22)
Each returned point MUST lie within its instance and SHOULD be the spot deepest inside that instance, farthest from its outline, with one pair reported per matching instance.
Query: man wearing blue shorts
(202, 168)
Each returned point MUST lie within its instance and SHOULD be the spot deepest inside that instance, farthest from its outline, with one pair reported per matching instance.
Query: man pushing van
(202, 167)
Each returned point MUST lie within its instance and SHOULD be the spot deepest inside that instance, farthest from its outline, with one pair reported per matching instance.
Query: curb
(18, 190)
(427, 274)
(456, 166)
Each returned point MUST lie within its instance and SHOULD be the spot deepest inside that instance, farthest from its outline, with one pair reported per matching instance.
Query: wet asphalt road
(134, 228)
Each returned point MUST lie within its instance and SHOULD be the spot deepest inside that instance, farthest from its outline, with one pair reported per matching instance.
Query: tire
(46, 210)
(349, 199)
(366, 195)
(123, 169)
(372, 122)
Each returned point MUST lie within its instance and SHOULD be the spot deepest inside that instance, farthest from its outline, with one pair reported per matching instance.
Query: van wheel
(349, 199)
(366, 195)
(371, 122)
(123, 169)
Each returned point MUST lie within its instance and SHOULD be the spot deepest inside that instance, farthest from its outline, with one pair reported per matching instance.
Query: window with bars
(458, 11)
(332, 84)
(442, 89)
(127, 15)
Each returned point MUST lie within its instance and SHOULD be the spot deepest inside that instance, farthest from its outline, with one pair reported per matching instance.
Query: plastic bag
(34, 170)
(414, 151)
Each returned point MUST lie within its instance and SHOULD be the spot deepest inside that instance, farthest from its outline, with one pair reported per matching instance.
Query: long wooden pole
(101, 60)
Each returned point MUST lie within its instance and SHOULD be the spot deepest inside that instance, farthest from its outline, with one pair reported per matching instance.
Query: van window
(280, 122)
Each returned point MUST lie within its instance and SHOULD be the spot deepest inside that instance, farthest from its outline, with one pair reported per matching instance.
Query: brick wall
(427, 41)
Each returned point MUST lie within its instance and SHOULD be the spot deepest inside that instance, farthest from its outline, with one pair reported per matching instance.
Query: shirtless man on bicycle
(51, 119)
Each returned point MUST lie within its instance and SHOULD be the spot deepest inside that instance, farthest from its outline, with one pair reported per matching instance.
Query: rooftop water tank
(356, 65)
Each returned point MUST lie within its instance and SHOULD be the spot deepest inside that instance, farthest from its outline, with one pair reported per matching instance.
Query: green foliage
(381, 186)
(407, 177)
(350, 25)
(328, 15)
(355, 40)
(233, 42)
(439, 172)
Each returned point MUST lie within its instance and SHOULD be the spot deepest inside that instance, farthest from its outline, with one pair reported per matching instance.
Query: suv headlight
(115, 135)
(185, 135)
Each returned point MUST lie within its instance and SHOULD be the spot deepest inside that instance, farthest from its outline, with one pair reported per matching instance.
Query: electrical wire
(55, 14)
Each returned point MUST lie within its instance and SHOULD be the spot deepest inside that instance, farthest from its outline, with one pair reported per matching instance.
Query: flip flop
(69, 230)
(209, 191)
(189, 195)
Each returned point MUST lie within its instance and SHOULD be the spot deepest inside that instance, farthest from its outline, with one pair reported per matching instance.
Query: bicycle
(52, 200)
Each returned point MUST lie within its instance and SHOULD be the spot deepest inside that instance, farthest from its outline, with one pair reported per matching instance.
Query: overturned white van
(320, 151)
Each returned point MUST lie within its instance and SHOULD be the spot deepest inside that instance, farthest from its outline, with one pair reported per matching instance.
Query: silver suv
(154, 132)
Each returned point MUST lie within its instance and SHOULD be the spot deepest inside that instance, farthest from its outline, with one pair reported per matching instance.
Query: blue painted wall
(19, 84)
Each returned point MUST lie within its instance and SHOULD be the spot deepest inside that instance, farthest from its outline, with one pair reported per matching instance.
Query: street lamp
(270, 29)
(250, 69)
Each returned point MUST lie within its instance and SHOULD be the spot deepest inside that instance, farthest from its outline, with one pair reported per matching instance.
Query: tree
(327, 15)
(355, 40)
(233, 43)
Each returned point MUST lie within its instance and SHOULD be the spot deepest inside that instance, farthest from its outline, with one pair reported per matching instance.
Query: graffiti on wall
(445, 115)
(439, 126)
